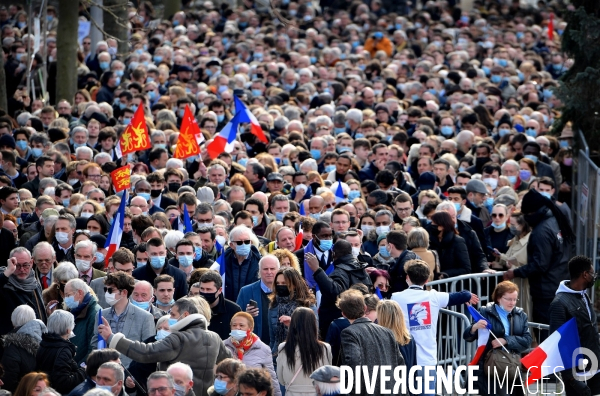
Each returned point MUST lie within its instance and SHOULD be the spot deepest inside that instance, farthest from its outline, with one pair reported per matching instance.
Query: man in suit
(259, 291)
(157, 186)
(122, 317)
(85, 256)
(64, 229)
(121, 260)
(44, 260)
(320, 246)
(189, 200)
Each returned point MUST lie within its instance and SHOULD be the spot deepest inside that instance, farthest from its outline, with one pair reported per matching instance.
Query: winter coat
(258, 356)
(547, 258)
(452, 250)
(238, 275)
(84, 330)
(333, 338)
(502, 236)
(477, 258)
(55, 357)
(302, 385)
(20, 350)
(365, 343)
(189, 342)
(347, 272)
(220, 322)
(12, 297)
(384, 44)
(397, 273)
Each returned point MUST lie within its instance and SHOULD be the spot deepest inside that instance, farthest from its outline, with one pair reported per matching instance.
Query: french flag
(116, 230)
(483, 335)
(299, 237)
(187, 223)
(219, 266)
(223, 142)
(339, 193)
(301, 210)
(554, 353)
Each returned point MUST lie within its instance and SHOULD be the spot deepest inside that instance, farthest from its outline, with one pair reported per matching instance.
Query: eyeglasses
(48, 261)
(23, 266)
(161, 390)
(404, 209)
(515, 300)
(330, 205)
(109, 290)
(498, 215)
(221, 377)
(246, 242)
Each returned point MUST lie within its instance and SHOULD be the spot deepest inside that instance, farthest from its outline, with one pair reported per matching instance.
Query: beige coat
(302, 385)
(517, 249)
(427, 256)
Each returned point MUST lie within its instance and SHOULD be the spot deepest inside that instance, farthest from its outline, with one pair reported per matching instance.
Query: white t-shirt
(421, 309)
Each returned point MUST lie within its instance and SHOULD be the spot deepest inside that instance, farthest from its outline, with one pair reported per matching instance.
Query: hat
(275, 177)
(7, 140)
(477, 186)
(99, 240)
(214, 62)
(382, 106)
(326, 374)
(381, 238)
(49, 212)
(100, 117)
(426, 181)
(505, 120)
(566, 133)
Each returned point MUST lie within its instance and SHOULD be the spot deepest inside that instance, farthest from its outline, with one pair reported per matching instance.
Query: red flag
(551, 27)
(187, 145)
(135, 137)
(121, 178)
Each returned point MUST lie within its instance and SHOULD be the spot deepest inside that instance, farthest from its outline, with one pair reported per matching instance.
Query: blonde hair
(202, 305)
(390, 315)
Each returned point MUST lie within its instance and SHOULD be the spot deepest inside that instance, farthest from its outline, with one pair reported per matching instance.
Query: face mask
(237, 335)
(355, 251)
(496, 79)
(146, 196)
(326, 244)
(160, 146)
(100, 255)
(71, 303)
(499, 226)
(353, 194)
(155, 193)
(142, 305)
(209, 297)
(447, 130)
(185, 261)
(82, 265)
(85, 215)
(243, 161)
(366, 229)
(491, 181)
(329, 168)
(37, 152)
(534, 158)
(254, 221)
(157, 59)
(242, 250)
(157, 262)
(381, 230)
(179, 390)
(383, 252)
(279, 216)
(282, 290)
(104, 65)
(489, 202)
(172, 322)
(94, 233)
(21, 145)
(197, 253)
(546, 194)
(221, 239)
(316, 154)
(503, 132)
(62, 237)
(140, 264)
(220, 118)
(359, 135)
(568, 161)
(161, 334)
(531, 132)
(457, 206)
(315, 216)
(201, 225)
(111, 298)
(512, 179)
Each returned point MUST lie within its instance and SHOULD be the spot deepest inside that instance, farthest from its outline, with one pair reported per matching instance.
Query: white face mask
(491, 182)
(82, 265)
(111, 298)
(355, 251)
(383, 230)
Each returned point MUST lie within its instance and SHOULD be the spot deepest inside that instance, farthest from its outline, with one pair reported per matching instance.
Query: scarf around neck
(244, 345)
(28, 284)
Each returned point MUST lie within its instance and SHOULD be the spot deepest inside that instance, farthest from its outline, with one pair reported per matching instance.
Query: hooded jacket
(20, 350)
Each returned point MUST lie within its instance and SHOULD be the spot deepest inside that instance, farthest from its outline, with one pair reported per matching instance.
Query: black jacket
(477, 256)
(11, 298)
(501, 239)
(238, 275)
(55, 357)
(334, 339)
(20, 350)
(347, 272)
(147, 273)
(453, 253)
(220, 322)
(397, 273)
(547, 258)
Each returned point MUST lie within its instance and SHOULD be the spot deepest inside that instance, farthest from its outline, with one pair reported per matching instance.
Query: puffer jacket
(519, 341)
(189, 342)
(258, 356)
(55, 357)
(20, 350)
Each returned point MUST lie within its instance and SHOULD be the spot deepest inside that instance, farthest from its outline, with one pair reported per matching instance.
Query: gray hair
(78, 285)
(279, 197)
(157, 134)
(268, 257)
(116, 368)
(162, 319)
(41, 246)
(385, 212)
(311, 162)
(510, 162)
(339, 118)
(40, 138)
(217, 167)
(101, 156)
(237, 230)
(174, 163)
(291, 113)
(280, 123)
(47, 182)
(172, 237)
(95, 190)
(186, 305)
(19, 249)
(23, 118)
(21, 315)
(444, 206)
(84, 150)
(189, 374)
(79, 129)
(65, 271)
(96, 392)
(61, 322)
(86, 244)
(69, 217)
(354, 115)
(206, 194)
(418, 238)
(159, 375)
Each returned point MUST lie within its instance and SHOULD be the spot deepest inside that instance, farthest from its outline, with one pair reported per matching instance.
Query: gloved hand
(581, 387)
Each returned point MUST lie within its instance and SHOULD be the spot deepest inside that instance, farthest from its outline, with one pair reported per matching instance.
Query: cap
(7, 140)
(326, 374)
(426, 181)
(381, 238)
(214, 62)
(567, 133)
(99, 240)
(49, 212)
(100, 117)
(275, 177)
(476, 186)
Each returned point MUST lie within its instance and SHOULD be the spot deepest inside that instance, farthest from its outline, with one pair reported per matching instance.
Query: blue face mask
(415, 97)
(546, 194)
(21, 145)
(326, 244)
(532, 157)
(486, 70)
(37, 152)
(498, 226)
(157, 262)
(503, 62)
(339, 130)
(140, 264)
(119, 73)
(220, 118)
(161, 334)
(254, 221)
(359, 135)
(256, 92)
(146, 196)
(66, 202)
(197, 253)
(172, 322)
(141, 305)
(564, 144)
(279, 216)
(457, 206)
(71, 303)
(220, 387)
(503, 132)
(185, 261)
(383, 252)
(495, 79)
(447, 130)
(134, 108)
(329, 168)
(242, 250)
(157, 59)
(531, 132)
(512, 179)
(489, 202)
(316, 154)
(104, 65)
(313, 59)
(353, 194)
(160, 145)
(243, 161)
(126, 121)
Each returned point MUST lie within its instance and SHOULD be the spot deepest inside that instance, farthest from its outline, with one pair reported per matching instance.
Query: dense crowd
(405, 143)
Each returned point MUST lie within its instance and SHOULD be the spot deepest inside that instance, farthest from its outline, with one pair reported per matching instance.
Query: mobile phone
(253, 304)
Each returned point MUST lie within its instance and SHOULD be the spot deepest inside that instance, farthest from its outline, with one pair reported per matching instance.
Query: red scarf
(242, 346)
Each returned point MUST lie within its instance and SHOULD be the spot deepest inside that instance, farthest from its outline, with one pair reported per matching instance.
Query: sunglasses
(246, 242)
(109, 290)
(498, 215)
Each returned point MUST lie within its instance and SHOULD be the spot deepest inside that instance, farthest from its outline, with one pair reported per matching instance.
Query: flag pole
(498, 341)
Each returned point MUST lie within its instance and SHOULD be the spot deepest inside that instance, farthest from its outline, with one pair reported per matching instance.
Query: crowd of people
(405, 143)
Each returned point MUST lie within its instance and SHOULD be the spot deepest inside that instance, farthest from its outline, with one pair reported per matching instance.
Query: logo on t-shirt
(419, 316)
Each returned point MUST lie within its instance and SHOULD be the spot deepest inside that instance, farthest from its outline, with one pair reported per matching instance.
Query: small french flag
(339, 193)
(299, 237)
(301, 210)
(483, 335)
(116, 230)
(554, 353)
(187, 223)
(378, 293)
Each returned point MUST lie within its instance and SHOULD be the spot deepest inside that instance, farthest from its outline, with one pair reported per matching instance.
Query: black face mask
(174, 187)
(209, 297)
(518, 157)
(282, 290)
(443, 152)
(480, 161)
(155, 193)
(352, 221)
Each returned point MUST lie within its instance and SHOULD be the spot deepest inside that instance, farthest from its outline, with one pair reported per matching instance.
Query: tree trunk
(3, 98)
(171, 7)
(66, 51)
(117, 27)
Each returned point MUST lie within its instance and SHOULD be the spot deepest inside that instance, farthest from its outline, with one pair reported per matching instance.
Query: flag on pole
(299, 237)
(219, 247)
(378, 293)
(339, 193)
(554, 353)
(245, 115)
(483, 335)
(187, 223)
(121, 178)
(116, 229)
(101, 341)
(187, 143)
(551, 27)
(301, 211)
(136, 137)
